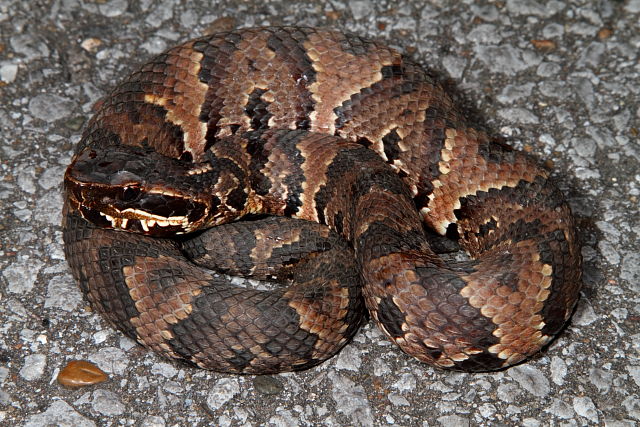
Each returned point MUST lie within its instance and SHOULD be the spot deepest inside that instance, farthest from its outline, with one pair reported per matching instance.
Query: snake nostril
(129, 194)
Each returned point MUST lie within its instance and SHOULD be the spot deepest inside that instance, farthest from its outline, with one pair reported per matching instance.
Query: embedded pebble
(632, 6)
(454, 65)
(26, 179)
(160, 13)
(406, 382)
(560, 409)
(154, 45)
(349, 358)
(630, 270)
(100, 336)
(351, 400)
(222, 391)
(531, 379)
(634, 371)
(63, 293)
(29, 47)
(80, 373)
(501, 59)
(453, 421)
(484, 34)
(584, 315)
(632, 405)
(111, 359)
(585, 147)
(397, 400)
(509, 392)
(487, 410)
(153, 421)
(380, 367)
(21, 275)
(360, 8)
(609, 252)
(518, 115)
(107, 403)
(48, 208)
(49, 107)
(532, 7)
(34, 366)
(5, 399)
(8, 72)
(59, 413)
(585, 408)
(512, 93)
(284, 418)
(165, 369)
(113, 8)
(485, 12)
(548, 69)
(51, 177)
(592, 55)
(268, 384)
(4, 373)
(601, 379)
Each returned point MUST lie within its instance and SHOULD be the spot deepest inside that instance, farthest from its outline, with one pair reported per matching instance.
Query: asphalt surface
(557, 78)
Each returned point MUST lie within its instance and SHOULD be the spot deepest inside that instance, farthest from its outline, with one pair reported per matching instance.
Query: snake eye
(129, 194)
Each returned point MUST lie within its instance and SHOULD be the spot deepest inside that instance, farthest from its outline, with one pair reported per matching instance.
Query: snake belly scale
(350, 149)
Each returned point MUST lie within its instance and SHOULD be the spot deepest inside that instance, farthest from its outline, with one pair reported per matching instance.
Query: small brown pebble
(266, 384)
(333, 15)
(544, 45)
(75, 124)
(91, 44)
(605, 33)
(80, 373)
(548, 163)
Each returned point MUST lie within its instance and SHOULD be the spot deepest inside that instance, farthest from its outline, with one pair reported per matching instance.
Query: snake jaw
(141, 221)
(147, 222)
(151, 212)
(112, 190)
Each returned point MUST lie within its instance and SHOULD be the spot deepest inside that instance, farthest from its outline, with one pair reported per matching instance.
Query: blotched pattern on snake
(349, 149)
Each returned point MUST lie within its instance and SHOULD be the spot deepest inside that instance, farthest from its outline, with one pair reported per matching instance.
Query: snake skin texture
(351, 149)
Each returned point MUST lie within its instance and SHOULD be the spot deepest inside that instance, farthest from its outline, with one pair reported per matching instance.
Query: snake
(315, 161)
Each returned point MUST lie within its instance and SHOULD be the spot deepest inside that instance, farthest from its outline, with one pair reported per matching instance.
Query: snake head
(136, 189)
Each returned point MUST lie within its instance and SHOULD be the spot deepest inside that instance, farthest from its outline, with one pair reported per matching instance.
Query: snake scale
(336, 152)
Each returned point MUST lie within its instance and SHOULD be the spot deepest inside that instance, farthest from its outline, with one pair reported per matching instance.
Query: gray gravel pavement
(558, 78)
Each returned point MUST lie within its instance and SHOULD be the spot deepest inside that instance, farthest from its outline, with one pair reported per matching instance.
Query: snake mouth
(134, 189)
(138, 221)
(154, 213)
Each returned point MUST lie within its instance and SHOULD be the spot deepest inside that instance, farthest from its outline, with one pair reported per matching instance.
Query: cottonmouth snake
(338, 130)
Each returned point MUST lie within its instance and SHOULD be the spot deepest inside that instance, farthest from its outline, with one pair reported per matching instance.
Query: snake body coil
(337, 130)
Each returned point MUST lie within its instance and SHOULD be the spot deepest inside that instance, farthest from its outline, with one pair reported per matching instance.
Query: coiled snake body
(331, 128)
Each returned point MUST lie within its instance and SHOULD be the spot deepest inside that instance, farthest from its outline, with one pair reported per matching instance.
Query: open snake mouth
(154, 213)
(146, 220)
(135, 189)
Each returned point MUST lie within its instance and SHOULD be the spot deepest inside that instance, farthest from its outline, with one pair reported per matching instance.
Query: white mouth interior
(147, 220)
